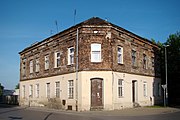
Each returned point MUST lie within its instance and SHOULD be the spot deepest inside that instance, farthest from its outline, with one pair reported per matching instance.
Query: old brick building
(94, 64)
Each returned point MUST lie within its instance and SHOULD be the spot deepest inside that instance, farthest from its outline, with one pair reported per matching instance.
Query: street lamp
(166, 85)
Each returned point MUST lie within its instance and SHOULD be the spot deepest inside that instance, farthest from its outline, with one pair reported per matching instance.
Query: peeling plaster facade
(126, 75)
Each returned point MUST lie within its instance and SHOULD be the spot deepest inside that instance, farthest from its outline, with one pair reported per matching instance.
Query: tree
(173, 67)
(1, 89)
(17, 86)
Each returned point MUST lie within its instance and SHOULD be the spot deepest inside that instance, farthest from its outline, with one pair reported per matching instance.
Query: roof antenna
(74, 16)
(56, 26)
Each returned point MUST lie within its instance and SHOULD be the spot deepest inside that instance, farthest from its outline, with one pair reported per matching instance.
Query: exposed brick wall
(109, 38)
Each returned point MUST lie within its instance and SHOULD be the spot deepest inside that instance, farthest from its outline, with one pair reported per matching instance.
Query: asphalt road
(19, 113)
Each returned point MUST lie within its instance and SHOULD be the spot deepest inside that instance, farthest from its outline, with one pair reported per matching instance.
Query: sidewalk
(141, 111)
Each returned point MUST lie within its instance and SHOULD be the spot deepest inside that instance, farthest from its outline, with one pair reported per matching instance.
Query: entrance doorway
(96, 93)
(134, 90)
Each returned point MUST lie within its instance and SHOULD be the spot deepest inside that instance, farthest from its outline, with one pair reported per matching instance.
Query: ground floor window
(58, 89)
(31, 91)
(120, 88)
(23, 91)
(48, 90)
(37, 90)
(145, 89)
(70, 89)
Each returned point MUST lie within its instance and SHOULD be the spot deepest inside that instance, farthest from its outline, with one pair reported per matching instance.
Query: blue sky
(23, 22)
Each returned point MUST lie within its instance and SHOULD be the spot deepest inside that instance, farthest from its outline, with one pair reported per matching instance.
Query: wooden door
(96, 93)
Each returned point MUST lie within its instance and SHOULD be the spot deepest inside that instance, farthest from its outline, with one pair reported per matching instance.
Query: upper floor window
(120, 55)
(37, 65)
(144, 61)
(46, 59)
(31, 66)
(95, 52)
(57, 59)
(152, 62)
(133, 57)
(23, 70)
(70, 55)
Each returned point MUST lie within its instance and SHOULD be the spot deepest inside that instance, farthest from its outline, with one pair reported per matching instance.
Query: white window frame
(37, 90)
(57, 89)
(46, 62)
(145, 89)
(31, 66)
(120, 88)
(37, 65)
(48, 90)
(70, 89)
(31, 91)
(71, 55)
(57, 61)
(96, 52)
(120, 55)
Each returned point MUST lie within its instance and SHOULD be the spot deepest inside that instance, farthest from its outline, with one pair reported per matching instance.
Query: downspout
(77, 42)
(111, 43)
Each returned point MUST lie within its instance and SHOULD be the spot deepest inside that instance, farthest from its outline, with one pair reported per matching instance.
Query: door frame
(134, 91)
(102, 101)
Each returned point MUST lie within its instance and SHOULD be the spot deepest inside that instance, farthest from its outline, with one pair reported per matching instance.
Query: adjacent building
(92, 65)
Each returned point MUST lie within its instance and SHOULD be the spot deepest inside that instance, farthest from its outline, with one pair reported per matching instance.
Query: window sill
(120, 97)
(96, 62)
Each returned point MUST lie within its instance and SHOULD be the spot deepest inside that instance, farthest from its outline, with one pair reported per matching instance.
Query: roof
(92, 21)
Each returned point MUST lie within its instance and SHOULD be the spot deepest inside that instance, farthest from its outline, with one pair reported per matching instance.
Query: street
(22, 113)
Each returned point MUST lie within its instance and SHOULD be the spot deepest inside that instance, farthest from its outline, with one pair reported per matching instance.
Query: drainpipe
(77, 40)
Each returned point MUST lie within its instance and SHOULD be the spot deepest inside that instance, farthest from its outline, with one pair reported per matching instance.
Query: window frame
(120, 88)
(57, 89)
(23, 71)
(145, 61)
(23, 91)
(46, 62)
(70, 89)
(31, 66)
(71, 55)
(96, 55)
(120, 55)
(133, 56)
(48, 90)
(37, 67)
(37, 90)
(145, 89)
(31, 91)
(57, 59)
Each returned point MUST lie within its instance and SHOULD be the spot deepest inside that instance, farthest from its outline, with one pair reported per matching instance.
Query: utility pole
(166, 94)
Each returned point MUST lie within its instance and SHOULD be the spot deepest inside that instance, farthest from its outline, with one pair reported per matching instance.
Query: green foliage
(152, 40)
(1, 89)
(173, 67)
(17, 86)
